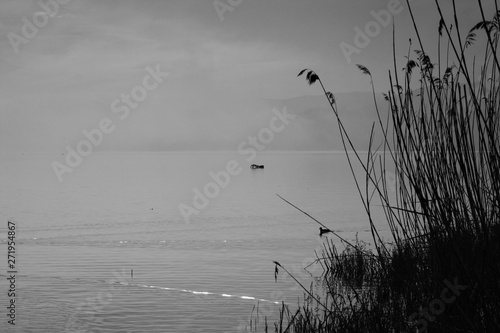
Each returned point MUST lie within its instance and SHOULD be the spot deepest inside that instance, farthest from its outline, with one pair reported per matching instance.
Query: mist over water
(119, 211)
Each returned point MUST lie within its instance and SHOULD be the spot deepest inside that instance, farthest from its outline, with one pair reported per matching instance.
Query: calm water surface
(77, 241)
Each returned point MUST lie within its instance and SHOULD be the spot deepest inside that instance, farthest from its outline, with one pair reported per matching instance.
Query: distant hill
(225, 125)
(315, 127)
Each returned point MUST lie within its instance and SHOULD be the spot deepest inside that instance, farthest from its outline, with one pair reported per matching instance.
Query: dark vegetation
(441, 273)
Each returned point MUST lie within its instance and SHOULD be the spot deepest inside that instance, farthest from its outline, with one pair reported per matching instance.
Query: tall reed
(442, 271)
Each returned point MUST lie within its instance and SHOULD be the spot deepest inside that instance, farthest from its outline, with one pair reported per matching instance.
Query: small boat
(323, 231)
(256, 166)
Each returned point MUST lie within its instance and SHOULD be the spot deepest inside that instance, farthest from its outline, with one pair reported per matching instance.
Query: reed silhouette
(443, 140)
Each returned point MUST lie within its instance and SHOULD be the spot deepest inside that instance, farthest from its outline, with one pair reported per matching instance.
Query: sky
(201, 70)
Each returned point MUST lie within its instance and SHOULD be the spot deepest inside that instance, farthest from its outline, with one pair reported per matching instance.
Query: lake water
(77, 241)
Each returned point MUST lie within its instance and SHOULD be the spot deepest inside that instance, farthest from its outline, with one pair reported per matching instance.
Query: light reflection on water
(120, 212)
